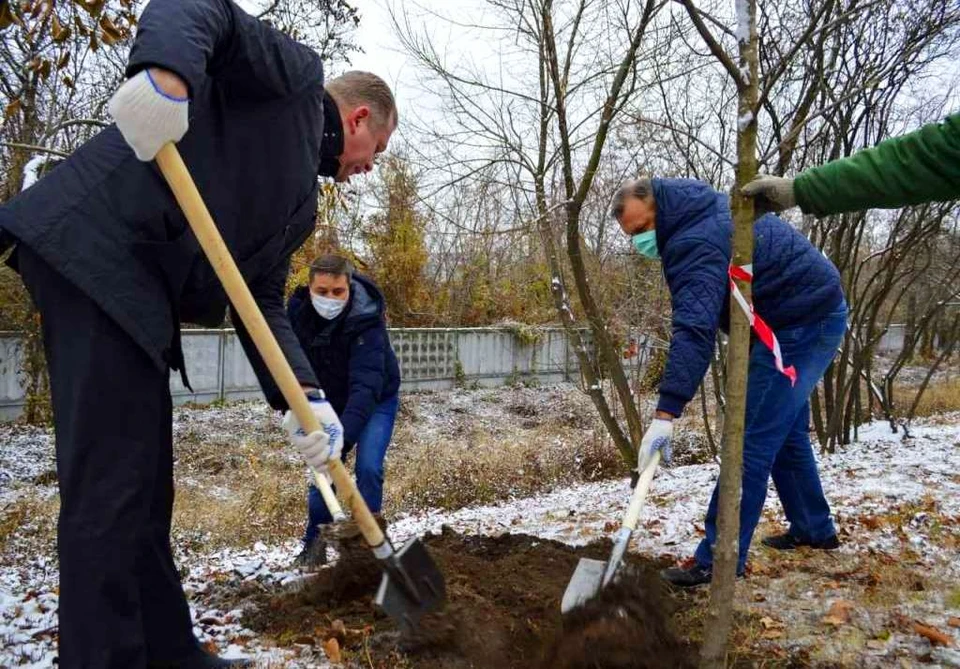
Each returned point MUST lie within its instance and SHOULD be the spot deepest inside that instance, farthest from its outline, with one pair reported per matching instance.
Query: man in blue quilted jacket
(687, 226)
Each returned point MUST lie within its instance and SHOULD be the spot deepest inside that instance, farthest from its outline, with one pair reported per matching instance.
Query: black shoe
(201, 659)
(689, 574)
(313, 556)
(788, 542)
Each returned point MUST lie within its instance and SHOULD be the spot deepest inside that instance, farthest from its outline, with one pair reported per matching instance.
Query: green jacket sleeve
(923, 166)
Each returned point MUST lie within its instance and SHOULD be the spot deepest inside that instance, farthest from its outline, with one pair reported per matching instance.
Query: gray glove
(656, 438)
(777, 192)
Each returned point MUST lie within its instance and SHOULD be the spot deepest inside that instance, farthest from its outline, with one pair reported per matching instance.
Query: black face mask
(332, 144)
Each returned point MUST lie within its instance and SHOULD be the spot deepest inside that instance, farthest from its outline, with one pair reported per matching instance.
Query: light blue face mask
(327, 307)
(646, 244)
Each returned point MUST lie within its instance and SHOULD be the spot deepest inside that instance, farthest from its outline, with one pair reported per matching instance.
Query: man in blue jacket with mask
(687, 226)
(339, 319)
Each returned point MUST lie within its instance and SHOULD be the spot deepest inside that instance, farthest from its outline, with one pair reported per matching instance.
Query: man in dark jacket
(339, 319)
(797, 292)
(113, 268)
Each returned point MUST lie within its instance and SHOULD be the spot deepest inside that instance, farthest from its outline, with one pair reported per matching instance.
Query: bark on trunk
(719, 618)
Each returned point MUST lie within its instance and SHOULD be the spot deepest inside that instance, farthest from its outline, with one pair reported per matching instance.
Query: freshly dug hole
(503, 610)
(623, 627)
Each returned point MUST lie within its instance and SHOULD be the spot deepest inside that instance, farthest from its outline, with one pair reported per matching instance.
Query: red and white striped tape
(766, 335)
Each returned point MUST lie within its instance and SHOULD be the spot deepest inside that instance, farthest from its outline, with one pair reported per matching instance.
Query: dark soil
(503, 611)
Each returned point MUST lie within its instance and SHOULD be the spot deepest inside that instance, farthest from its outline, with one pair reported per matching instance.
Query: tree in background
(394, 236)
(537, 126)
(326, 26)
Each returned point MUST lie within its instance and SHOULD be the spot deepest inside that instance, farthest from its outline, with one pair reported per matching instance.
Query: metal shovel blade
(412, 585)
(585, 584)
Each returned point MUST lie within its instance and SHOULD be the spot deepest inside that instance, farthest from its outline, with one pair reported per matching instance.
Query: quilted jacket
(351, 354)
(794, 283)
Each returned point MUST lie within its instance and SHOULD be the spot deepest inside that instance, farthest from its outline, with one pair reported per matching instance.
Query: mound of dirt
(503, 610)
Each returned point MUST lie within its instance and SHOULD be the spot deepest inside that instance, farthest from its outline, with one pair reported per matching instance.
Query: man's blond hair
(355, 88)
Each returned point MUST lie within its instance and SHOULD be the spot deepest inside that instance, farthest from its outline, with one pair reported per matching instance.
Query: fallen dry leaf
(876, 644)
(839, 613)
(332, 648)
(771, 634)
(771, 624)
(930, 632)
(953, 622)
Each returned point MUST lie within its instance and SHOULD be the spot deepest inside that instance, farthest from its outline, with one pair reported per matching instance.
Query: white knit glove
(147, 117)
(317, 448)
(656, 438)
(776, 191)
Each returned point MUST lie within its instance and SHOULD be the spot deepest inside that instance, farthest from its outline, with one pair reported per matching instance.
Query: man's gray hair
(356, 88)
(640, 188)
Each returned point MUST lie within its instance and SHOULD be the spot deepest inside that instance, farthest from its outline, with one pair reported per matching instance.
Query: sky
(381, 54)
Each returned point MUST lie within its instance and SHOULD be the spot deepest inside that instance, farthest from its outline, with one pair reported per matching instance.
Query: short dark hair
(640, 188)
(331, 263)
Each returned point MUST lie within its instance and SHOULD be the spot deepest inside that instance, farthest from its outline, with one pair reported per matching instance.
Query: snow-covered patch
(32, 168)
(26, 455)
(916, 479)
(743, 21)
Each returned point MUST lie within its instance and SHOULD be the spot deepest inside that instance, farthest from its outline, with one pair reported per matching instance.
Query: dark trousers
(371, 450)
(121, 602)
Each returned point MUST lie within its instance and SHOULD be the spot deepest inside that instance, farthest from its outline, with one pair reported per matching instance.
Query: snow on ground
(880, 473)
(26, 454)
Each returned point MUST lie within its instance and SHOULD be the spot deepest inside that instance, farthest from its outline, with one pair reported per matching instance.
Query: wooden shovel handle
(640, 492)
(185, 191)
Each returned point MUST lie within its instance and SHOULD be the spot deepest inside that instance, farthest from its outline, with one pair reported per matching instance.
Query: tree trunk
(719, 618)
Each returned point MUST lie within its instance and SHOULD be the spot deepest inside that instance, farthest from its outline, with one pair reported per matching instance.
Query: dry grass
(940, 397)
(235, 496)
(29, 516)
(240, 483)
(478, 469)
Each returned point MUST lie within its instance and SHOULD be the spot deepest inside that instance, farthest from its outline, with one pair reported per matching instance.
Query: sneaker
(313, 556)
(788, 542)
(689, 574)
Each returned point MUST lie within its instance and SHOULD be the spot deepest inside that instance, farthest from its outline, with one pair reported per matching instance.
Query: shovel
(591, 576)
(412, 584)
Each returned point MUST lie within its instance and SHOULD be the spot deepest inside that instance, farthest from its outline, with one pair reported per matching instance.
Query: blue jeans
(777, 440)
(371, 450)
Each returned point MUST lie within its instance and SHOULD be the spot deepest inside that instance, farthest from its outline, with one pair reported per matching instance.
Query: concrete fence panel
(430, 359)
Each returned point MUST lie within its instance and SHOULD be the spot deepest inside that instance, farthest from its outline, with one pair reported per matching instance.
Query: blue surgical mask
(646, 244)
(327, 307)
